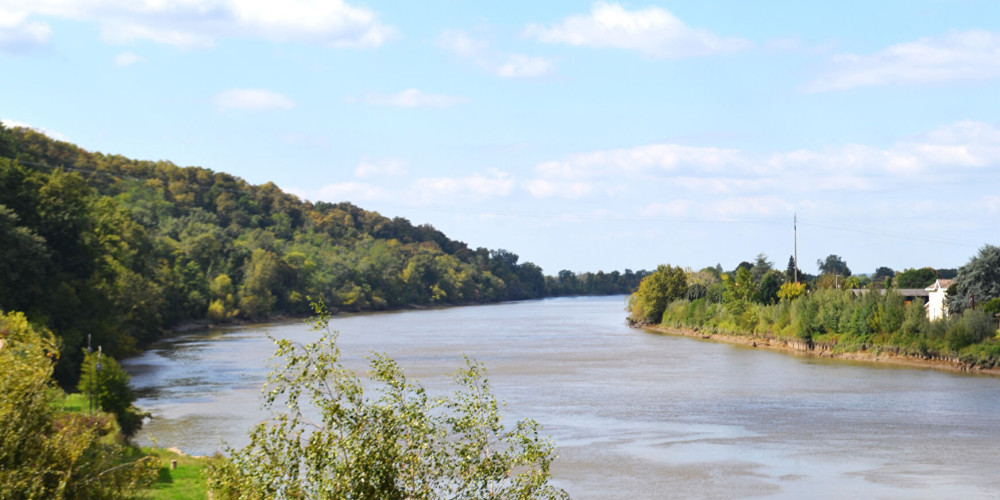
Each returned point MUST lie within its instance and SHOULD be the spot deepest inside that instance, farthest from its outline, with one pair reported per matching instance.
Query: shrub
(46, 452)
(973, 326)
(381, 438)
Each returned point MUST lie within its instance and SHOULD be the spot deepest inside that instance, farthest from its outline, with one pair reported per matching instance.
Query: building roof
(905, 292)
(939, 284)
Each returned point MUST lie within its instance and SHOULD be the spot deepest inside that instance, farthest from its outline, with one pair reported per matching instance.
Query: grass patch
(75, 402)
(184, 482)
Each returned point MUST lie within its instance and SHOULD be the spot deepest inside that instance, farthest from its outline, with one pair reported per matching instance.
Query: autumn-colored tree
(791, 291)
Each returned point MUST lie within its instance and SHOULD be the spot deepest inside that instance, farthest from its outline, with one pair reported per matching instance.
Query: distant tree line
(119, 249)
(757, 300)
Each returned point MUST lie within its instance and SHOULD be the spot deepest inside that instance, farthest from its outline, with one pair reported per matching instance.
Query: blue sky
(581, 136)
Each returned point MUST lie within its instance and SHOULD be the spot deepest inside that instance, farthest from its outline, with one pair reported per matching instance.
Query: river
(633, 414)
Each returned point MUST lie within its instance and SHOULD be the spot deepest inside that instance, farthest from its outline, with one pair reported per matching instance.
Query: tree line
(835, 309)
(120, 249)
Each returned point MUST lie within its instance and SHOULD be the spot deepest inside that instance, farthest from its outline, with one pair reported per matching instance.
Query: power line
(887, 234)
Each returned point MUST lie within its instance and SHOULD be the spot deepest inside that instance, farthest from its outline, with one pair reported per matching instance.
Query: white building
(936, 306)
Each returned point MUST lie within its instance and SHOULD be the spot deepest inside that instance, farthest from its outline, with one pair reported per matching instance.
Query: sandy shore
(803, 349)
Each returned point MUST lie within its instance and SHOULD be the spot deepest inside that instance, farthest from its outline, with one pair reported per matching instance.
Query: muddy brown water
(634, 414)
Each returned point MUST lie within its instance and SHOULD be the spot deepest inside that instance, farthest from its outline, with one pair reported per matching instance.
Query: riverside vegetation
(337, 437)
(55, 445)
(757, 301)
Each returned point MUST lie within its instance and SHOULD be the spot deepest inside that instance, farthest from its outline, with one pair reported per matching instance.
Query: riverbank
(802, 348)
(181, 476)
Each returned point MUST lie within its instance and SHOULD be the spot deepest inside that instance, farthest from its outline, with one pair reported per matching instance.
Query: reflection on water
(634, 415)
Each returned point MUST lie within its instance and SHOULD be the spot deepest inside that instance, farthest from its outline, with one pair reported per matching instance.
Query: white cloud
(961, 56)
(723, 185)
(413, 98)
(953, 150)
(493, 183)
(127, 59)
(501, 64)
(19, 35)
(520, 66)
(385, 168)
(252, 99)
(964, 144)
(196, 23)
(128, 33)
(641, 159)
(16, 124)
(652, 31)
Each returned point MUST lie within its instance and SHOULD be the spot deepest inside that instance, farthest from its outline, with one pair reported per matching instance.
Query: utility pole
(90, 383)
(795, 232)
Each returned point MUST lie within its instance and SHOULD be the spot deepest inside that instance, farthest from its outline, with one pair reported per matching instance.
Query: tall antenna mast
(795, 232)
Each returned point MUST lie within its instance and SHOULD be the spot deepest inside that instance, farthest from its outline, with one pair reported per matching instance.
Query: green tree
(46, 453)
(761, 267)
(385, 438)
(8, 145)
(946, 274)
(792, 272)
(265, 282)
(110, 386)
(916, 278)
(882, 274)
(767, 289)
(833, 264)
(740, 292)
(655, 292)
(23, 258)
(979, 279)
(915, 321)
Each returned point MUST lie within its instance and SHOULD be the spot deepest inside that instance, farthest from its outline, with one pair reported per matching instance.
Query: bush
(915, 322)
(46, 452)
(804, 316)
(974, 326)
(399, 443)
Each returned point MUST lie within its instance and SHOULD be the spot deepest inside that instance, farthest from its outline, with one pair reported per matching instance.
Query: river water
(633, 414)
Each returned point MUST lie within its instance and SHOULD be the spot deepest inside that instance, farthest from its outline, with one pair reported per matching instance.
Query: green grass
(184, 482)
(73, 402)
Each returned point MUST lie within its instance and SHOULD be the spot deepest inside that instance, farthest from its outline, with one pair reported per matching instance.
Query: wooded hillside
(116, 248)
